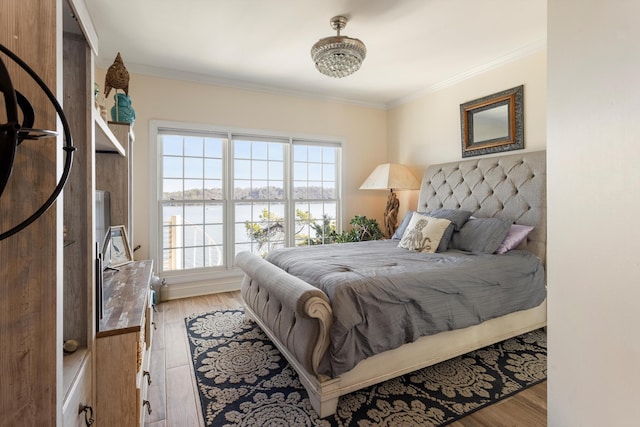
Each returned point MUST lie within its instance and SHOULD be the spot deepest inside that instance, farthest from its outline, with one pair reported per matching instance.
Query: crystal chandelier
(338, 56)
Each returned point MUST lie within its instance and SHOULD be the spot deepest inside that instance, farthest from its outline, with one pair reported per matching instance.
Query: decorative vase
(122, 110)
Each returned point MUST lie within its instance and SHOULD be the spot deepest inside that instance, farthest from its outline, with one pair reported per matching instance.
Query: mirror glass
(492, 123)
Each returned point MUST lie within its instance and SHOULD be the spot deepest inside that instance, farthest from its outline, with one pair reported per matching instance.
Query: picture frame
(120, 251)
(494, 123)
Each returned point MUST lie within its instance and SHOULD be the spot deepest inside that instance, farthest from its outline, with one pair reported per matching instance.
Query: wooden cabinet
(47, 270)
(78, 324)
(123, 346)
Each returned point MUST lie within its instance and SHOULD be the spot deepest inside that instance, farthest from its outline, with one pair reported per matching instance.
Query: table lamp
(391, 176)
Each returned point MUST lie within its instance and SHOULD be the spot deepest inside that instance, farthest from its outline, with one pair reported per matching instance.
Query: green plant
(268, 232)
(362, 228)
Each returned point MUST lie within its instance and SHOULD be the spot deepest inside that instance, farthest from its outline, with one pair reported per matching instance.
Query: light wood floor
(174, 397)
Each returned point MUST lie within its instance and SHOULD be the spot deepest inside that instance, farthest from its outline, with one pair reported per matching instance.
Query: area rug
(243, 380)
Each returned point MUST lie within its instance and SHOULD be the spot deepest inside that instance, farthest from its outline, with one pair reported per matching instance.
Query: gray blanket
(384, 296)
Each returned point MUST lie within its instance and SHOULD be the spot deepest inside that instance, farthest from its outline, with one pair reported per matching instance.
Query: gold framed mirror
(493, 124)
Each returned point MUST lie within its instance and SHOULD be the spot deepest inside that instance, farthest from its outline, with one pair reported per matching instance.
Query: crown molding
(522, 52)
(235, 84)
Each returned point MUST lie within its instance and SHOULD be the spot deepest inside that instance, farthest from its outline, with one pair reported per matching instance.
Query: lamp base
(391, 214)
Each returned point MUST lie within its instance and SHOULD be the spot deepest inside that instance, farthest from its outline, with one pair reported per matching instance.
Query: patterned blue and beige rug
(243, 380)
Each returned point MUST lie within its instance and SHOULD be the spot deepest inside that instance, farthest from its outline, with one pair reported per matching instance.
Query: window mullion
(290, 221)
(229, 220)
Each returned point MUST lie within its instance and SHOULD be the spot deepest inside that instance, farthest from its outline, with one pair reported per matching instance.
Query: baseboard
(194, 289)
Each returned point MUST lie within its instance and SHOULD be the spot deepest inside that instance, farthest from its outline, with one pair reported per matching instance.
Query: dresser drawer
(79, 396)
(145, 405)
(145, 380)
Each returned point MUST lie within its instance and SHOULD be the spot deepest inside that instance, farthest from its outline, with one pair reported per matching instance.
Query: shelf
(106, 141)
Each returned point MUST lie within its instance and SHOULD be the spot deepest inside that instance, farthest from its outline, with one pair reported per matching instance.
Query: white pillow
(423, 233)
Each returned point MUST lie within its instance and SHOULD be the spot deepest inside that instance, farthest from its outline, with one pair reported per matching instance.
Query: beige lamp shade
(391, 176)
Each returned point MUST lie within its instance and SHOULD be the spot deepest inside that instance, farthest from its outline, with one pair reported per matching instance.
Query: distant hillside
(314, 193)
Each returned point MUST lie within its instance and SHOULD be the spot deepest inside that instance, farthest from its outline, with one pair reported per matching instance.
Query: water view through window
(282, 192)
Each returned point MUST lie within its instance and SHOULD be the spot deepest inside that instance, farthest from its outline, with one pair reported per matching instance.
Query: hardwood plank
(176, 351)
(173, 311)
(190, 306)
(182, 406)
(527, 408)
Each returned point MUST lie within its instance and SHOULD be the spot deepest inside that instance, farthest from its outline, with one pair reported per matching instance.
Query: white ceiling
(413, 46)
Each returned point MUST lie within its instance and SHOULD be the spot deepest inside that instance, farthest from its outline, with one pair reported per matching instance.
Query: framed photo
(120, 250)
(493, 124)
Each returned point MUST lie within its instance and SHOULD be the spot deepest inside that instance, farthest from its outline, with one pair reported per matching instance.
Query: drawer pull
(148, 375)
(154, 325)
(88, 414)
(148, 405)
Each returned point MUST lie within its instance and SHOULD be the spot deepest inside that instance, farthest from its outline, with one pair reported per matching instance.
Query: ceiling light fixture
(338, 56)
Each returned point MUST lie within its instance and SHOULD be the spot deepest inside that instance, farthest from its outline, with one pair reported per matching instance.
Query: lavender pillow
(516, 235)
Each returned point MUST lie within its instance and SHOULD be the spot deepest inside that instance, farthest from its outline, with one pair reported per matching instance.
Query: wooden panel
(124, 134)
(77, 194)
(114, 175)
(116, 370)
(111, 179)
(30, 354)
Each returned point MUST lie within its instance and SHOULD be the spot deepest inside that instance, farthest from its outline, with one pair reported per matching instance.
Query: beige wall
(362, 129)
(426, 130)
(593, 210)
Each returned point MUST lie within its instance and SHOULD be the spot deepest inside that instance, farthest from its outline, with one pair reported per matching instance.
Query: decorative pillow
(403, 226)
(423, 233)
(516, 235)
(481, 235)
(457, 218)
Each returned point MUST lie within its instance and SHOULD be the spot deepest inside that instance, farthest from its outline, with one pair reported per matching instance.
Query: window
(314, 188)
(221, 193)
(192, 203)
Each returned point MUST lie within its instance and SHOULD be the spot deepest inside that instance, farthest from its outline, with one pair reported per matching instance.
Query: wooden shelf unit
(48, 286)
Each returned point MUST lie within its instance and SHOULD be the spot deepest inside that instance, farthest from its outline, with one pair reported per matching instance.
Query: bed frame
(297, 317)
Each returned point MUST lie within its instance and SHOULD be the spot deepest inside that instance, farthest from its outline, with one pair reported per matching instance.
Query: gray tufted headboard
(511, 186)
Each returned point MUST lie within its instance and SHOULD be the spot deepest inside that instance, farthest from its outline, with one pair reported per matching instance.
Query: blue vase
(122, 110)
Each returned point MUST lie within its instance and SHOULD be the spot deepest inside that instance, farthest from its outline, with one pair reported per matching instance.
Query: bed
(302, 319)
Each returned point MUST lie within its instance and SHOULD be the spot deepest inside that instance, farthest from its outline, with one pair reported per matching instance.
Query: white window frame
(228, 273)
